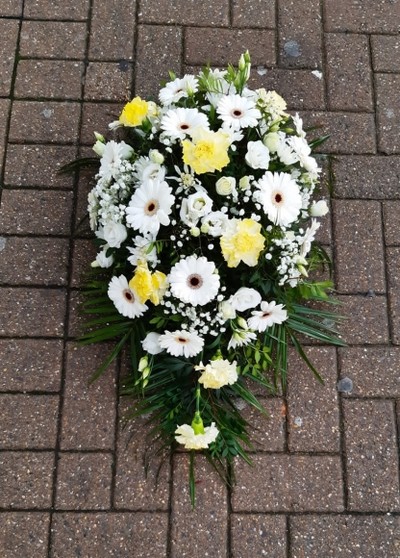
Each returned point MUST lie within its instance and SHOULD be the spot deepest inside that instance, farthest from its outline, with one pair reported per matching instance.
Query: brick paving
(326, 481)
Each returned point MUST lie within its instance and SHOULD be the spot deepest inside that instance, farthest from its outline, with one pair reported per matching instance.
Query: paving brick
(222, 46)
(49, 79)
(115, 535)
(267, 432)
(373, 370)
(106, 43)
(288, 483)
(76, 318)
(349, 72)
(48, 122)
(48, 39)
(350, 133)
(37, 165)
(359, 176)
(366, 320)
(30, 364)
(32, 312)
(8, 43)
(371, 455)
(49, 212)
(83, 481)
(22, 534)
(368, 16)
(258, 535)
(393, 263)
(88, 420)
(27, 479)
(385, 53)
(300, 34)
(344, 536)
(84, 254)
(253, 13)
(391, 222)
(28, 421)
(134, 488)
(209, 517)
(56, 9)
(4, 113)
(10, 7)
(359, 260)
(108, 81)
(162, 45)
(41, 261)
(185, 12)
(300, 88)
(388, 112)
(96, 118)
(313, 413)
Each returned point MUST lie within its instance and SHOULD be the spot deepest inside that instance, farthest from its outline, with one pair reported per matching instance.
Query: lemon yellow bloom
(207, 152)
(147, 285)
(134, 112)
(242, 241)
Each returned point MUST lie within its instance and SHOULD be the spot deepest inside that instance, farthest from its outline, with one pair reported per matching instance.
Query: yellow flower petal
(208, 151)
(243, 243)
(134, 112)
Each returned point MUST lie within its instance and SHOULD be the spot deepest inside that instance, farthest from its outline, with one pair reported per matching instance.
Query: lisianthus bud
(146, 372)
(319, 209)
(271, 141)
(241, 322)
(156, 156)
(99, 137)
(99, 148)
(244, 183)
(195, 231)
(143, 363)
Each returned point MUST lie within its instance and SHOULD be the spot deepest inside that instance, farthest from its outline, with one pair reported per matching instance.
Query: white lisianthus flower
(257, 156)
(151, 343)
(214, 223)
(272, 140)
(226, 310)
(194, 207)
(125, 299)
(156, 157)
(194, 280)
(244, 182)
(102, 260)
(114, 153)
(285, 151)
(270, 314)
(113, 233)
(303, 152)
(226, 186)
(319, 209)
(218, 373)
(185, 435)
(99, 148)
(280, 197)
(141, 252)
(181, 343)
(244, 299)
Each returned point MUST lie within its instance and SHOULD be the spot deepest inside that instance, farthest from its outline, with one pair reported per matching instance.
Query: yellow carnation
(207, 152)
(134, 112)
(147, 285)
(242, 241)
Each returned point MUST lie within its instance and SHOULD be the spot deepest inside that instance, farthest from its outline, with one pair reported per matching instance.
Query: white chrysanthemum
(244, 299)
(151, 343)
(181, 343)
(141, 252)
(114, 153)
(194, 280)
(218, 373)
(241, 338)
(181, 122)
(270, 314)
(177, 89)
(238, 112)
(124, 298)
(309, 237)
(186, 436)
(280, 197)
(150, 206)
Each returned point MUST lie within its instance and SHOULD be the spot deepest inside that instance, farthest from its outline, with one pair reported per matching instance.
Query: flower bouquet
(204, 217)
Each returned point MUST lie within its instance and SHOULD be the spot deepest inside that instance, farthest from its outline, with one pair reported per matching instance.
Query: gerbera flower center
(129, 296)
(151, 207)
(237, 113)
(277, 198)
(194, 281)
(182, 340)
(266, 314)
(184, 126)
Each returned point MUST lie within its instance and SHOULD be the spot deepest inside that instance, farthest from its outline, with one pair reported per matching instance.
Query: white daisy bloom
(177, 89)
(238, 112)
(185, 435)
(218, 373)
(309, 237)
(181, 343)
(244, 299)
(194, 280)
(214, 223)
(181, 122)
(151, 343)
(257, 156)
(280, 197)
(194, 207)
(150, 207)
(141, 253)
(114, 153)
(124, 298)
(241, 339)
(270, 314)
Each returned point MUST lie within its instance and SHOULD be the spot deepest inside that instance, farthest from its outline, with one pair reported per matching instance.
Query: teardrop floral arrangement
(204, 217)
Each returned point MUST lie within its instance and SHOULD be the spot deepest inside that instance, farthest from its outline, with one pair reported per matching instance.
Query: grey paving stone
(258, 535)
(24, 533)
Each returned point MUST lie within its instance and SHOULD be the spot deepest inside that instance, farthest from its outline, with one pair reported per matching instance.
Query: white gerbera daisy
(181, 343)
(185, 435)
(125, 299)
(194, 280)
(181, 122)
(280, 197)
(270, 314)
(238, 112)
(150, 206)
(178, 88)
(141, 252)
(114, 153)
